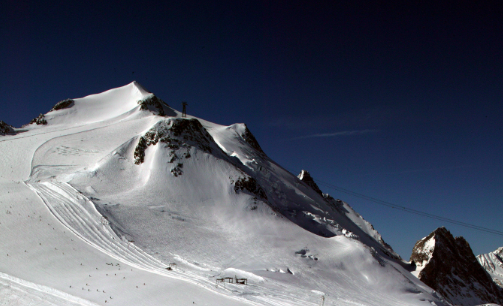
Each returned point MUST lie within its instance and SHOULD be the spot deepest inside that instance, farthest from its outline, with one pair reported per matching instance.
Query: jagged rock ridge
(251, 140)
(306, 178)
(448, 265)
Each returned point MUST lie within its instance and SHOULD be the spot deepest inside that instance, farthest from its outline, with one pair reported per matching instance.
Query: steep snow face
(365, 226)
(152, 191)
(493, 264)
(447, 264)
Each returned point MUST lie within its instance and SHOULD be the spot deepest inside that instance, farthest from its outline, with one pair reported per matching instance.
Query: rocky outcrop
(251, 140)
(249, 184)
(40, 120)
(178, 135)
(67, 103)
(305, 177)
(6, 128)
(154, 104)
(493, 264)
(447, 265)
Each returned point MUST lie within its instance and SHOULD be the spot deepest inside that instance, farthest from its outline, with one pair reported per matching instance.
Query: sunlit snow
(83, 224)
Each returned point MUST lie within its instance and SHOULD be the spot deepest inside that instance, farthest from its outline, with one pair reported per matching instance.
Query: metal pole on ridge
(184, 109)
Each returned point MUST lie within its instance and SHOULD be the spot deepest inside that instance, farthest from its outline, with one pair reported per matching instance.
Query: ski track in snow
(77, 213)
(22, 292)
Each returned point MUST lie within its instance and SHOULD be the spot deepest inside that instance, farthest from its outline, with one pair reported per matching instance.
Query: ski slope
(84, 222)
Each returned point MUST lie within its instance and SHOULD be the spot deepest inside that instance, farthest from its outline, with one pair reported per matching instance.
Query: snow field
(57, 259)
(80, 169)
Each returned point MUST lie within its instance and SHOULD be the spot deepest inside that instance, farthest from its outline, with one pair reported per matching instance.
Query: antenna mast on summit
(184, 109)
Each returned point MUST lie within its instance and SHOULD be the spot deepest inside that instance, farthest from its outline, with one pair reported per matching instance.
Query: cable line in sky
(410, 210)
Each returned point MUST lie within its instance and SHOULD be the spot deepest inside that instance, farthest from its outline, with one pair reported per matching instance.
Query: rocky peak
(448, 265)
(251, 140)
(178, 136)
(305, 177)
(153, 104)
(5, 128)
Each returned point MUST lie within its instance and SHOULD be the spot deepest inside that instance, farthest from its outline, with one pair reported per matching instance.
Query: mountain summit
(120, 184)
(447, 264)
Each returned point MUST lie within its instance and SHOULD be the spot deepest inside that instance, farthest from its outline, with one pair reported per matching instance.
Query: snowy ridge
(493, 264)
(114, 104)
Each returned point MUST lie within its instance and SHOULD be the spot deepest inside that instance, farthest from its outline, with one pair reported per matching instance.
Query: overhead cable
(410, 210)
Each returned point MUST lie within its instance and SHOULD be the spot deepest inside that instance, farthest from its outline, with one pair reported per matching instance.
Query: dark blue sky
(402, 102)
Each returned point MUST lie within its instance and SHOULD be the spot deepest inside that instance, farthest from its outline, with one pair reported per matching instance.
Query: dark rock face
(449, 267)
(179, 136)
(250, 184)
(333, 203)
(63, 104)
(154, 104)
(6, 128)
(40, 120)
(305, 177)
(251, 140)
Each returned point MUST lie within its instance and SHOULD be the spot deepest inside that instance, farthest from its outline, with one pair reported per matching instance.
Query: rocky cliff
(448, 265)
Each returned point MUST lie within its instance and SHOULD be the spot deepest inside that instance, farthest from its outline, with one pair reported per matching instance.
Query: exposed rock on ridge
(250, 184)
(305, 177)
(40, 120)
(447, 265)
(251, 140)
(345, 209)
(5, 128)
(67, 103)
(154, 104)
(179, 136)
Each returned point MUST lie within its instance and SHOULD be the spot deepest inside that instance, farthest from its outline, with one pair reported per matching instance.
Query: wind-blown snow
(80, 217)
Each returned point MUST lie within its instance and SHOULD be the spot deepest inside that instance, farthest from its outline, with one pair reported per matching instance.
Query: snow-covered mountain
(493, 264)
(116, 198)
(447, 264)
